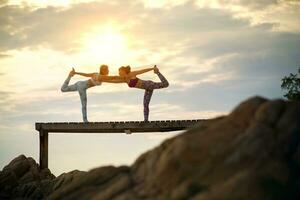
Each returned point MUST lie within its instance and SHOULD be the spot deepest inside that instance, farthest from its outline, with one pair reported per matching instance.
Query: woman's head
(123, 71)
(104, 70)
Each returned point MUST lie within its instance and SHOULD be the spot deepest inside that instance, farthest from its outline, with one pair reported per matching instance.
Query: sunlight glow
(105, 45)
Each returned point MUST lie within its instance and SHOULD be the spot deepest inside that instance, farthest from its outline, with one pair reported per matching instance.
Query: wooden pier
(106, 127)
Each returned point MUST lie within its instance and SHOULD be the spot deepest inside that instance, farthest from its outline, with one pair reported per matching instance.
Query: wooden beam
(117, 127)
(43, 149)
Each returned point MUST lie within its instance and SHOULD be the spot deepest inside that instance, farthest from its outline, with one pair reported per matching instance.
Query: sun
(105, 45)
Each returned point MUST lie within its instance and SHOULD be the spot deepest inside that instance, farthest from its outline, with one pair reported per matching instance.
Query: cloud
(283, 13)
(4, 95)
(3, 2)
(253, 4)
(4, 56)
(61, 28)
(56, 27)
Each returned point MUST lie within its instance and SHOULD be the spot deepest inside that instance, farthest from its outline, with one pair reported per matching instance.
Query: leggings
(149, 86)
(81, 87)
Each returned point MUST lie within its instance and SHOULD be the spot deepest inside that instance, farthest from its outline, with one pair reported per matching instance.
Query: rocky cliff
(253, 153)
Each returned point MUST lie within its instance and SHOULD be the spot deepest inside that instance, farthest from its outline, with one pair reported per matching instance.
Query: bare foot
(156, 70)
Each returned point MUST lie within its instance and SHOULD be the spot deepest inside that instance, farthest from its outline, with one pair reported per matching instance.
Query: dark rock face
(21, 178)
(253, 153)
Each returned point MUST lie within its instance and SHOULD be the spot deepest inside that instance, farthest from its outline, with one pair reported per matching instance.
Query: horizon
(214, 54)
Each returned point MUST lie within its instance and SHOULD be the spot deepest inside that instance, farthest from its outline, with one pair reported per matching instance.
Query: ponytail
(127, 69)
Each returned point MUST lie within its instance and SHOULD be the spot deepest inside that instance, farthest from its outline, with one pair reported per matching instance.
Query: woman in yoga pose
(82, 86)
(130, 77)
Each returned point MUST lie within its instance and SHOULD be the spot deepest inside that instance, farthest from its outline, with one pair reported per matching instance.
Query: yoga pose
(130, 78)
(82, 86)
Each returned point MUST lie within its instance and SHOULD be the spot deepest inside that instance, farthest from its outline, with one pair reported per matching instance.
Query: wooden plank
(117, 127)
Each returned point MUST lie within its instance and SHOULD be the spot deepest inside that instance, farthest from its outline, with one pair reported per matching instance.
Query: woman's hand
(72, 72)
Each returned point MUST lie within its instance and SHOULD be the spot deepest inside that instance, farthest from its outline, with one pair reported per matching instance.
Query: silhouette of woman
(82, 86)
(130, 77)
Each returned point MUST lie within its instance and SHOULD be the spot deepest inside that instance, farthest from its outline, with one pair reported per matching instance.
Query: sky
(214, 53)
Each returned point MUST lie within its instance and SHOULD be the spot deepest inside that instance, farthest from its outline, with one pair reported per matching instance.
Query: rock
(243, 155)
(22, 178)
(66, 178)
(253, 153)
(99, 179)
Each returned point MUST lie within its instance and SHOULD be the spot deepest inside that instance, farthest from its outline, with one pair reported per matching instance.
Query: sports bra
(95, 78)
(133, 82)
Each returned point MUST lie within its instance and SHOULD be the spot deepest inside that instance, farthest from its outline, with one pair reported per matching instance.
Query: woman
(82, 86)
(130, 77)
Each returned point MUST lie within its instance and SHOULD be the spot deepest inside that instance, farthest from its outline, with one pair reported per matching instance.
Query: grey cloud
(56, 27)
(4, 100)
(254, 4)
(4, 94)
(263, 58)
(183, 24)
(189, 18)
(257, 70)
(3, 2)
(4, 56)
(60, 28)
(247, 42)
(262, 45)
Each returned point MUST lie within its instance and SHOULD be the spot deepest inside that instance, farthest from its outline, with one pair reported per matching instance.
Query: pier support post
(43, 149)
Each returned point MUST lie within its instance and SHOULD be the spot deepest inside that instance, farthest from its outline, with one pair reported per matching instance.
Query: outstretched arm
(85, 74)
(112, 79)
(137, 72)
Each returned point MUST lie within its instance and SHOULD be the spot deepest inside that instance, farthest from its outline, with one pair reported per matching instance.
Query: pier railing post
(43, 149)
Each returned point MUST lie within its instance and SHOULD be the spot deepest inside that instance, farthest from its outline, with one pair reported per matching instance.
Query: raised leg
(66, 87)
(151, 85)
(164, 81)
